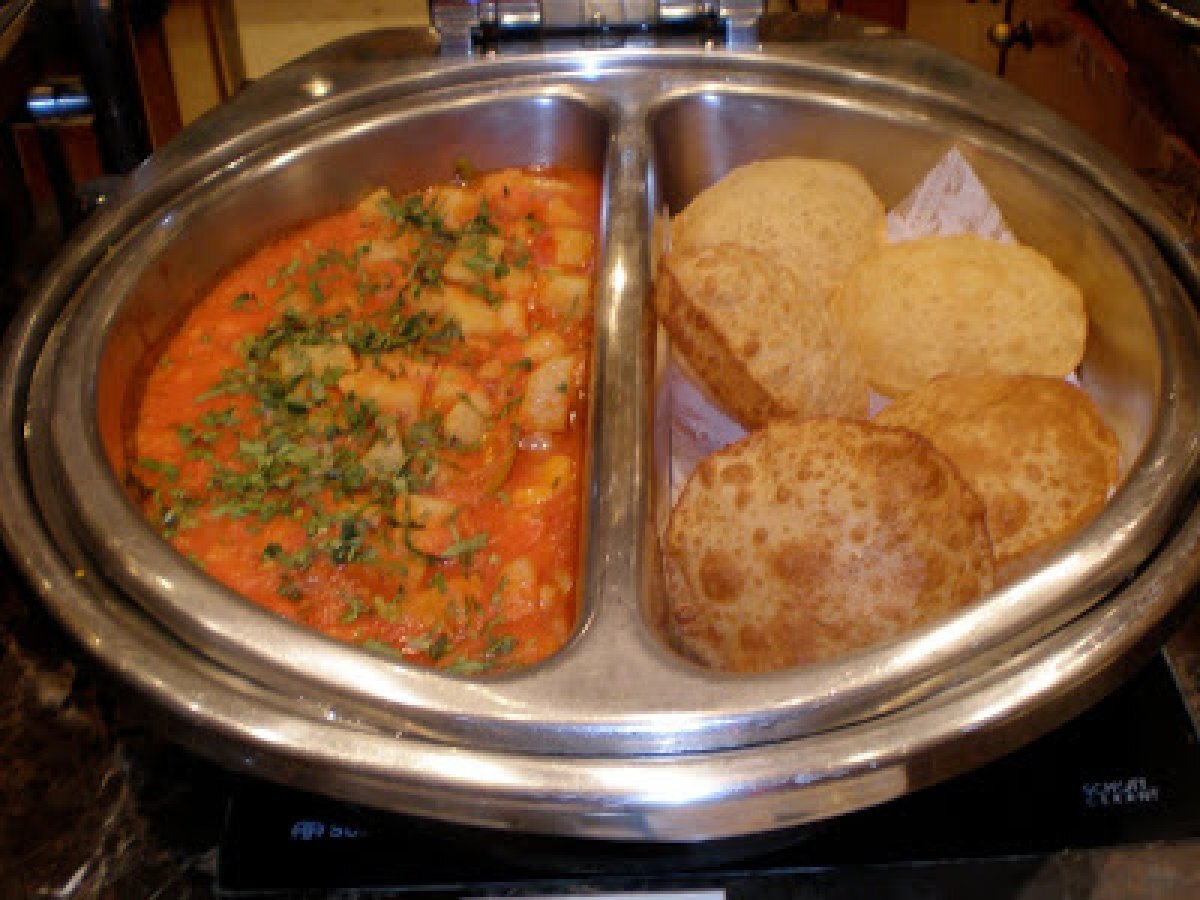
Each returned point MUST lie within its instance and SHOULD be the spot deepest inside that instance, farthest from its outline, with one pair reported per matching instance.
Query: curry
(375, 425)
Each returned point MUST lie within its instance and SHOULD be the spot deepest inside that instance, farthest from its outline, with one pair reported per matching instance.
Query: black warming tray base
(1126, 772)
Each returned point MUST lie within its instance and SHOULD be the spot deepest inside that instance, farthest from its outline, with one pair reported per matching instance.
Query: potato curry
(375, 425)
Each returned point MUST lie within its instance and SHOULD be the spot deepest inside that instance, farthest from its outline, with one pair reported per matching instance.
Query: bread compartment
(700, 136)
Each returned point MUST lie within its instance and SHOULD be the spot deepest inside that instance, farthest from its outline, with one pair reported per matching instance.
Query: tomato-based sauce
(375, 426)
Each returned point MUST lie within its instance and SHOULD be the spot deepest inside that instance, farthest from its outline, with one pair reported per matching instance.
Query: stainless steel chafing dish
(616, 736)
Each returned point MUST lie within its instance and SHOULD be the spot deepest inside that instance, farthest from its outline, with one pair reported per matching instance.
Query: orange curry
(375, 426)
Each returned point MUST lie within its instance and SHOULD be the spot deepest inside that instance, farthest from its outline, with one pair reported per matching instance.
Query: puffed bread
(1036, 450)
(814, 217)
(809, 539)
(745, 329)
(960, 305)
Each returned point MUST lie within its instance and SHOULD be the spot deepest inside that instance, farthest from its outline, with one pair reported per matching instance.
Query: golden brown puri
(749, 334)
(813, 217)
(810, 539)
(959, 305)
(1035, 449)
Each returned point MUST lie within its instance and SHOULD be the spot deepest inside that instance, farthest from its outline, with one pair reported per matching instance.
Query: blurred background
(89, 87)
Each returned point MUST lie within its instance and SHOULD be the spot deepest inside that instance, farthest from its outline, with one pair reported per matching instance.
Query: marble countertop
(98, 806)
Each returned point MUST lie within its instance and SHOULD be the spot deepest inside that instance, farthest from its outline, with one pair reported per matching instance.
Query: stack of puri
(824, 532)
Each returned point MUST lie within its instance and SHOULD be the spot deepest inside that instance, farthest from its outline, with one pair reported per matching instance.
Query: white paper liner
(949, 200)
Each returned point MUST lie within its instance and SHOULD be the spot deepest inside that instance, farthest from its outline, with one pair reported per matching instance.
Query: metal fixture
(1005, 35)
(111, 82)
(468, 24)
(58, 100)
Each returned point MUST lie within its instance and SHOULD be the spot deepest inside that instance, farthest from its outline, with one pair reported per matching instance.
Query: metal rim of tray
(682, 795)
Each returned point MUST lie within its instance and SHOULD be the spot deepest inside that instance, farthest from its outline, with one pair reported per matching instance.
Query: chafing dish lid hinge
(466, 25)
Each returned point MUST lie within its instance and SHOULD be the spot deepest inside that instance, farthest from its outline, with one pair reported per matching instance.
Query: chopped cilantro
(381, 647)
(500, 646)
(289, 590)
(167, 470)
(439, 646)
(353, 609)
(466, 546)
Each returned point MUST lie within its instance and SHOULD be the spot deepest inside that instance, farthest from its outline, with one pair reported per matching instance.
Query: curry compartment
(375, 425)
(616, 734)
(411, 576)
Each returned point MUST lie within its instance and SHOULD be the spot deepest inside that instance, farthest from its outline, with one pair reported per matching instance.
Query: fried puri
(960, 305)
(814, 217)
(746, 329)
(1036, 450)
(810, 539)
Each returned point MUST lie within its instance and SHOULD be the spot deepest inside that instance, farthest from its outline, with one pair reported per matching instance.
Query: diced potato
(295, 360)
(520, 572)
(518, 593)
(431, 300)
(450, 383)
(555, 471)
(560, 212)
(496, 187)
(424, 610)
(464, 424)
(475, 316)
(371, 206)
(551, 589)
(457, 266)
(382, 251)
(397, 362)
(440, 606)
(552, 477)
(457, 206)
(530, 495)
(566, 294)
(513, 318)
(400, 397)
(547, 400)
(517, 285)
(391, 250)
(479, 399)
(425, 510)
(427, 526)
(414, 568)
(541, 345)
(385, 457)
(492, 370)
(455, 269)
(527, 230)
(572, 246)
